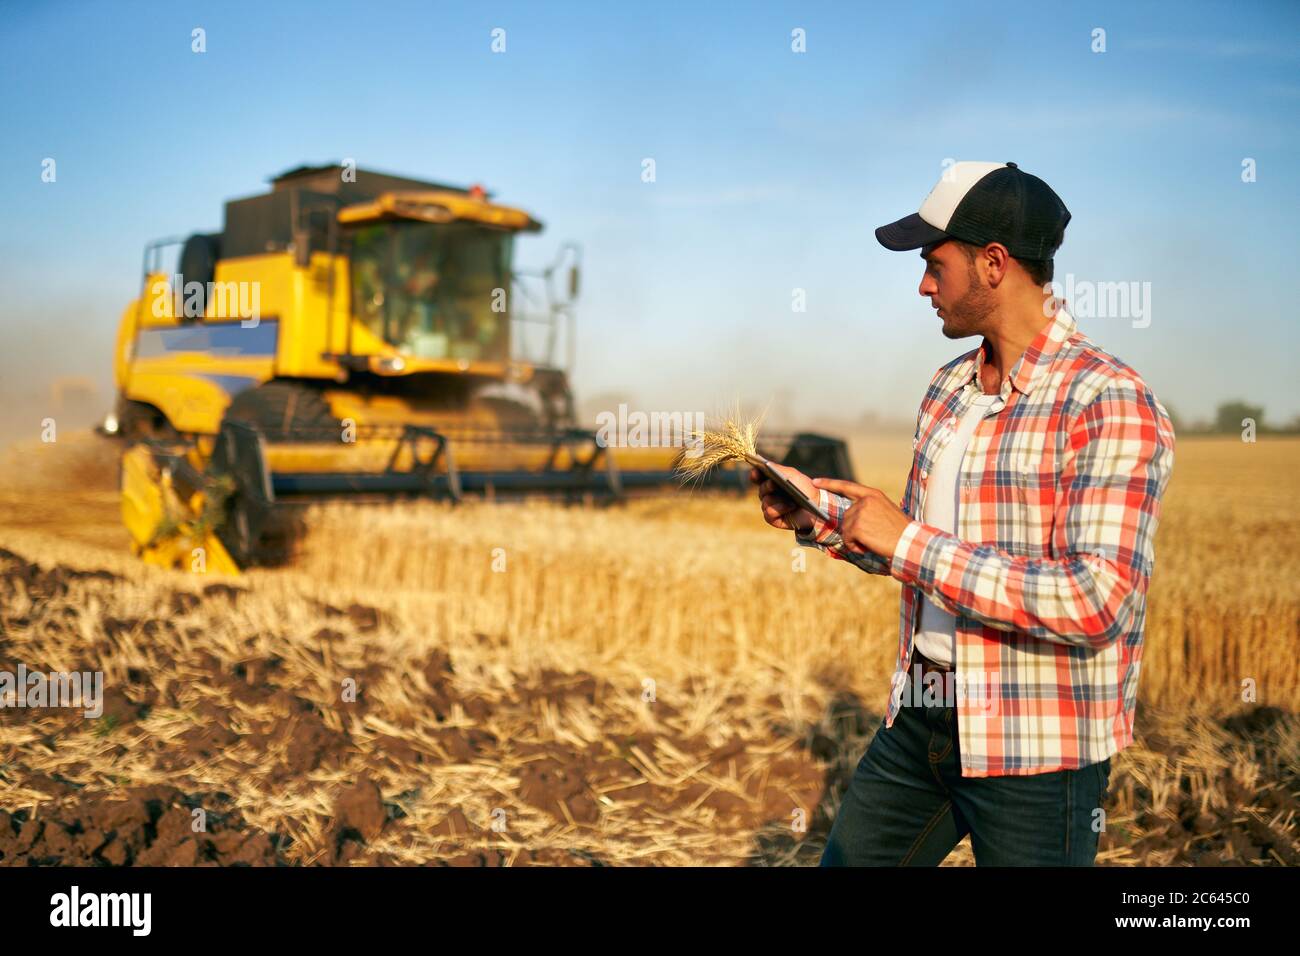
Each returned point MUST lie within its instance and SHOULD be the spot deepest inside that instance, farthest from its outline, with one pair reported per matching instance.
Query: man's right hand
(778, 510)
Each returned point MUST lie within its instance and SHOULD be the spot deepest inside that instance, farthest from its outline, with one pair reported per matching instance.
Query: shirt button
(952, 422)
(924, 474)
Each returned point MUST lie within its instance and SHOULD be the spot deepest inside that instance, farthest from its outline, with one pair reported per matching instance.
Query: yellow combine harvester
(351, 333)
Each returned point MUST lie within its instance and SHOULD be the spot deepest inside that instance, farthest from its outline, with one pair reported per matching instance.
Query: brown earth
(252, 719)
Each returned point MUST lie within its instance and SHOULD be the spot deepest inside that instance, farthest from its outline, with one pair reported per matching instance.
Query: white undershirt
(936, 632)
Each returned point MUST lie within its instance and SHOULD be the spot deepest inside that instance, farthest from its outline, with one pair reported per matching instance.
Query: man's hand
(778, 510)
(872, 522)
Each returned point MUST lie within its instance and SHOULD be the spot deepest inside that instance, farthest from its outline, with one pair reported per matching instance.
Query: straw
(730, 438)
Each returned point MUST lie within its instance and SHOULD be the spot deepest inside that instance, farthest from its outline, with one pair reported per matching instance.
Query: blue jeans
(909, 805)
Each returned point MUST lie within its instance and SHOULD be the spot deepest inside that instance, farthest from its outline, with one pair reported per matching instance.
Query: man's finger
(849, 489)
(774, 513)
(783, 520)
(776, 505)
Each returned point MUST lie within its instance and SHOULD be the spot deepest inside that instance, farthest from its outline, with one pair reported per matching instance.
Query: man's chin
(951, 331)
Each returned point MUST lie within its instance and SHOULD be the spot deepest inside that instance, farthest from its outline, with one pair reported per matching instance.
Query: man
(1024, 544)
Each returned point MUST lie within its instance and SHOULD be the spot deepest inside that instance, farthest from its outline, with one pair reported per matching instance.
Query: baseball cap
(981, 203)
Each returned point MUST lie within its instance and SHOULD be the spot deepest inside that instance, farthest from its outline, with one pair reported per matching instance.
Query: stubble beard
(969, 315)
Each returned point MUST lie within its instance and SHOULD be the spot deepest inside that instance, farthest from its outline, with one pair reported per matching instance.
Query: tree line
(1230, 418)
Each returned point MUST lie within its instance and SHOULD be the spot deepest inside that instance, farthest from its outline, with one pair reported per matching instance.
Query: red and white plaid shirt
(1058, 500)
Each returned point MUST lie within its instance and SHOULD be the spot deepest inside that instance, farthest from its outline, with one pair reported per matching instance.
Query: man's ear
(997, 261)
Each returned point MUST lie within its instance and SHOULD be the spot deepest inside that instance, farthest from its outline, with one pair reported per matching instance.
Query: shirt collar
(1034, 363)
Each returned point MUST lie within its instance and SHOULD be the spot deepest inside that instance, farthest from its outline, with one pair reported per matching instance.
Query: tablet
(789, 490)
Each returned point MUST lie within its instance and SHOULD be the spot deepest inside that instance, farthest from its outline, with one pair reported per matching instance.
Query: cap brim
(910, 232)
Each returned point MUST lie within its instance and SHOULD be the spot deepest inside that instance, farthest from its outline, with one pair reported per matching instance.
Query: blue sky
(772, 168)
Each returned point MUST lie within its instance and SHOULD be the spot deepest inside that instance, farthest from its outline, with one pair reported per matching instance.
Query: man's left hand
(872, 522)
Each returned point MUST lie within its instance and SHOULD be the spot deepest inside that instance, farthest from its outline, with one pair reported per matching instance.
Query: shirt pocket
(1031, 496)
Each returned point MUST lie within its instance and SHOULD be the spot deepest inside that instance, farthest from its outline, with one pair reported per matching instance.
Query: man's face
(953, 284)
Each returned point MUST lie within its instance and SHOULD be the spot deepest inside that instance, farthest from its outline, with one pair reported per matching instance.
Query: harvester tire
(286, 412)
(254, 530)
(199, 255)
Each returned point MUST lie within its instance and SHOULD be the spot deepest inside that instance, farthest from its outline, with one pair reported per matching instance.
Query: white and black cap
(981, 203)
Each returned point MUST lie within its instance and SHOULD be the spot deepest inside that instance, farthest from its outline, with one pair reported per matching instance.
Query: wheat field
(664, 681)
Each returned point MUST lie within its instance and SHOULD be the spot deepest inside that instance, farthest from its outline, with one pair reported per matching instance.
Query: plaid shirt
(1058, 500)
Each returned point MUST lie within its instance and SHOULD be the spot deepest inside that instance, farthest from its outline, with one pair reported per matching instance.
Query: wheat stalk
(731, 438)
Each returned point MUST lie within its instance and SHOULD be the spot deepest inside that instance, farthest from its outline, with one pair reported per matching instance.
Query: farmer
(1024, 544)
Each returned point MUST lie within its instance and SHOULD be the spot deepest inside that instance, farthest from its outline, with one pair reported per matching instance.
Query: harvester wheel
(253, 531)
(198, 262)
(286, 412)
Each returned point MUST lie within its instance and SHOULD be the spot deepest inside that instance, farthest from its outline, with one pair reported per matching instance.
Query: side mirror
(573, 282)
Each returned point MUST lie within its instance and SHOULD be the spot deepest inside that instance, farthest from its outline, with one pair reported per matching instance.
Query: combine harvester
(359, 335)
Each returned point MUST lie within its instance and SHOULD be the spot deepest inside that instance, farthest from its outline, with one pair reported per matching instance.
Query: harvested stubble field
(650, 683)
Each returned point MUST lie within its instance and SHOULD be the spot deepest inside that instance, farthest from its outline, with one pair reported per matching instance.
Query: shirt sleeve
(825, 536)
(1107, 508)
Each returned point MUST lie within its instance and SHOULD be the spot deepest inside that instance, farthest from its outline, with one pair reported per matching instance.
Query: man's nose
(928, 285)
